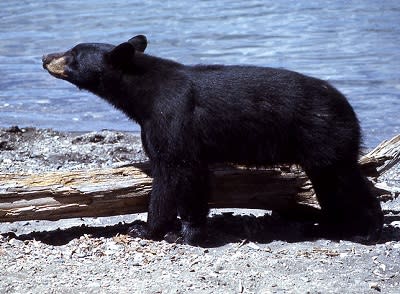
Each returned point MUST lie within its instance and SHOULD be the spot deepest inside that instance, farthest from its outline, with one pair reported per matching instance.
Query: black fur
(193, 116)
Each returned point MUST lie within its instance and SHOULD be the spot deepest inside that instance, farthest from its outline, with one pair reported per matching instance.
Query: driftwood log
(124, 190)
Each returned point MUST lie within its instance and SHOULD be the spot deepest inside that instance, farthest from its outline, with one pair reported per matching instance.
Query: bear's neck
(134, 92)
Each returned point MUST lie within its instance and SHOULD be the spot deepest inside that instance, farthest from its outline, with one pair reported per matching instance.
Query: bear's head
(86, 64)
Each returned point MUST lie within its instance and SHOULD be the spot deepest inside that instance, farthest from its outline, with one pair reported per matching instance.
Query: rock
(374, 286)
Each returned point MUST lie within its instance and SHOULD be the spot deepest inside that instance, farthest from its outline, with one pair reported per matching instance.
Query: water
(353, 44)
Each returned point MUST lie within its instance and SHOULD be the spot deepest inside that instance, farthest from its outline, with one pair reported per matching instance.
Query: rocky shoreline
(257, 252)
(41, 150)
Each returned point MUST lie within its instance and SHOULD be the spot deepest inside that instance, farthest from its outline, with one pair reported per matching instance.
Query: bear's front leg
(176, 190)
(162, 210)
(162, 207)
(192, 202)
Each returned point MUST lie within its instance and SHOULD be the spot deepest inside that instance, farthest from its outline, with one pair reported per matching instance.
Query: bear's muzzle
(55, 64)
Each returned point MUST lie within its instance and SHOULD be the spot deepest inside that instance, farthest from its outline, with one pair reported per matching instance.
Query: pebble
(143, 242)
(253, 246)
(7, 161)
(374, 286)
(395, 224)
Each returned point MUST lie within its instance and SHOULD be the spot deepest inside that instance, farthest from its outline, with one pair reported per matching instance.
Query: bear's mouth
(55, 64)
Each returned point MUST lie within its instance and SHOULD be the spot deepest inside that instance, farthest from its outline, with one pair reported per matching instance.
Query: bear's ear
(121, 56)
(139, 42)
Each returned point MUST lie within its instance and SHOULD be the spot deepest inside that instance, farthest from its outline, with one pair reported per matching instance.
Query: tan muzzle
(55, 64)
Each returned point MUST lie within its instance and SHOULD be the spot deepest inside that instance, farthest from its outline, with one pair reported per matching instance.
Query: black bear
(194, 116)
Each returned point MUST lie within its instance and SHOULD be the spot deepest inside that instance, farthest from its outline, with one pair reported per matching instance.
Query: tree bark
(115, 191)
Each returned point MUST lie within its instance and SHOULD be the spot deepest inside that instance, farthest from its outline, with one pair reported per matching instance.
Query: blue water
(353, 44)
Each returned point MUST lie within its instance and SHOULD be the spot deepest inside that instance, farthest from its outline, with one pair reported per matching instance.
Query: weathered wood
(105, 192)
(383, 157)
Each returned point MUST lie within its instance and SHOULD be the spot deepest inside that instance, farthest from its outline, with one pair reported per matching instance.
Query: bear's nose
(45, 60)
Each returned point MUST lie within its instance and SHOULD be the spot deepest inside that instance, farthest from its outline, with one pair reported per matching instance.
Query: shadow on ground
(223, 229)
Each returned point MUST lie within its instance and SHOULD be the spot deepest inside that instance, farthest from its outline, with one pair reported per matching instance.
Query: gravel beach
(253, 251)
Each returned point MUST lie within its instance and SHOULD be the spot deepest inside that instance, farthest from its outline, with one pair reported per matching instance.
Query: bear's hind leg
(348, 206)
